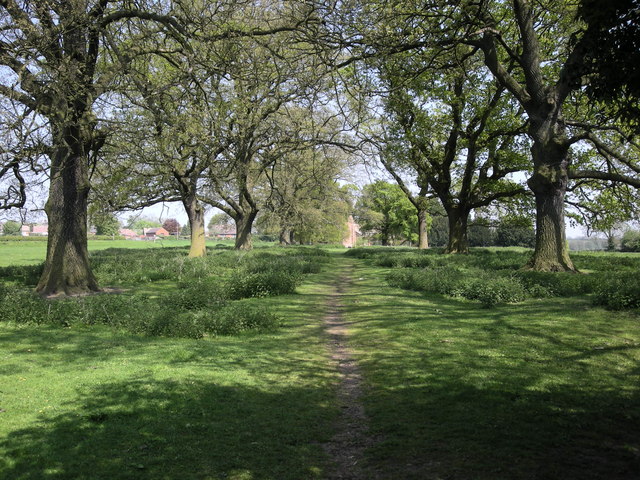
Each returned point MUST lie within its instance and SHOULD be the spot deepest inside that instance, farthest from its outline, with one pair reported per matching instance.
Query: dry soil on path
(352, 437)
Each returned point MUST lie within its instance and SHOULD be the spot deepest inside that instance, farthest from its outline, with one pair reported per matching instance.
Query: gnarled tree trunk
(458, 232)
(195, 213)
(285, 236)
(244, 223)
(549, 185)
(67, 270)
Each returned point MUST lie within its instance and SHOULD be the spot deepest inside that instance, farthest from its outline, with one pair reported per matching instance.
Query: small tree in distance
(106, 224)
(172, 226)
(11, 228)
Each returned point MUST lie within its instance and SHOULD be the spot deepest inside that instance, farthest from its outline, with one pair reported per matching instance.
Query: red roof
(125, 232)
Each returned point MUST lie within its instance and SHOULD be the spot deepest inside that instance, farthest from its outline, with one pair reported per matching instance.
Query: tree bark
(423, 239)
(195, 213)
(67, 270)
(458, 232)
(285, 237)
(549, 185)
(244, 223)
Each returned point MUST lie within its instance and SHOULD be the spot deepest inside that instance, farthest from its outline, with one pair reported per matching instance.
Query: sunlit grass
(93, 403)
(541, 389)
(545, 388)
(16, 252)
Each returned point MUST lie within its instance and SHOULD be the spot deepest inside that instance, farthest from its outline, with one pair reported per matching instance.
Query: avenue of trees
(261, 109)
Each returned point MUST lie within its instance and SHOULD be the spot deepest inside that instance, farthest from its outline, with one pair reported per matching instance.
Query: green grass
(19, 252)
(545, 388)
(93, 403)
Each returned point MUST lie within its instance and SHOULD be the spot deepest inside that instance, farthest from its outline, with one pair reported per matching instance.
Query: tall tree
(456, 133)
(548, 50)
(172, 226)
(50, 51)
(538, 52)
(384, 208)
(269, 92)
(206, 134)
(168, 141)
(305, 202)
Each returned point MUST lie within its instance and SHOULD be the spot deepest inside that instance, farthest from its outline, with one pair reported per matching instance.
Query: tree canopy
(258, 109)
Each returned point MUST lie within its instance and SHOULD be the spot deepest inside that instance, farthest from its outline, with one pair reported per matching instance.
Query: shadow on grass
(174, 429)
(64, 350)
(452, 429)
(538, 390)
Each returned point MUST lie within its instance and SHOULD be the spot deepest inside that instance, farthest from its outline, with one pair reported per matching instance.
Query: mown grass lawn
(90, 402)
(29, 252)
(546, 388)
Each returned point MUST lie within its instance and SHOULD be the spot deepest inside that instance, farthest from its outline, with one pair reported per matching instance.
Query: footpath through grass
(546, 388)
(87, 402)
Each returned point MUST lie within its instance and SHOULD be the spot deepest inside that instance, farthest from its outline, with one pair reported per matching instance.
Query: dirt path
(347, 446)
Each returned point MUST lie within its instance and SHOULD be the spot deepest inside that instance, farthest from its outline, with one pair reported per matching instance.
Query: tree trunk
(244, 223)
(423, 239)
(458, 233)
(285, 236)
(67, 270)
(549, 185)
(195, 213)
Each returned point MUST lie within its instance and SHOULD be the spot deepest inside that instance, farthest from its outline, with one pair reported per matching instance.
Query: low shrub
(539, 291)
(196, 294)
(20, 305)
(183, 325)
(491, 290)
(558, 284)
(619, 292)
(497, 260)
(606, 262)
(238, 317)
(22, 274)
(20, 238)
(437, 280)
(131, 312)
(300, 264)
(201, 304)
(242, 284)
(405, 260)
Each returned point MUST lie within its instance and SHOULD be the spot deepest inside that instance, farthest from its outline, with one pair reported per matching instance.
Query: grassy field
(457, 386)
(91, 402)
(31, 252)
(546, 388)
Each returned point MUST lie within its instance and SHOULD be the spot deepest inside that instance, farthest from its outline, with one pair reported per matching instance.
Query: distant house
(353, 230)
(127, 233)
(40, 230)
(25, 230)
(222, 231)
(153, 233)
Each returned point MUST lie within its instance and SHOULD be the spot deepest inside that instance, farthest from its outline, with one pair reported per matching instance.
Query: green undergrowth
(496, 276)
(165, 293)
(545, 388)
(89, 402)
